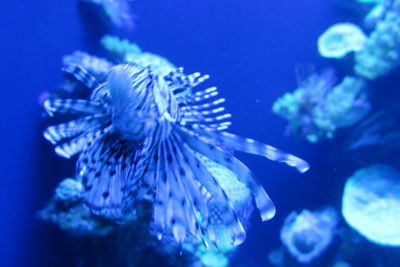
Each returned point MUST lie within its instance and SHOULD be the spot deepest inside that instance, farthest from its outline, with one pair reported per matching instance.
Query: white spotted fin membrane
(142, 137)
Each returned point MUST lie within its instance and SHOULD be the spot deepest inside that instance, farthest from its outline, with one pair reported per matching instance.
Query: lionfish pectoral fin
(181, 197)
(103, 172)
(214, 194)
(208, 148)
(251, 146)
(175, 199)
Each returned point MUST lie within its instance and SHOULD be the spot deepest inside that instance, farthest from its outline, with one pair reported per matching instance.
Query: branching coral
(381, 52)
(345, 105)
(307, 234)
(317, 108)
(119, 48)
(125, 51)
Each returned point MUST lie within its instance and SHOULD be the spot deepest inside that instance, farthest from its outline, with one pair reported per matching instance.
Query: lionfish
(142, 137)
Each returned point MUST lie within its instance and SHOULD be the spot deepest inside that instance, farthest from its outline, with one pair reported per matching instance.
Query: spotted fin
(208, 148)
(185, 193)
(219, 202)
(104, 169)
(177, 198)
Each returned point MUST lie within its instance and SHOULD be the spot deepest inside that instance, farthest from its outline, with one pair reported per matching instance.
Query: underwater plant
(317, 108)
(380, 53)
(340, 39)
(308, 233)
(138, 139)
(114, 12)
(371, 204)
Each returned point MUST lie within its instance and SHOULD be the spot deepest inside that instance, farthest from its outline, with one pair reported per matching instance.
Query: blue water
(250, 49)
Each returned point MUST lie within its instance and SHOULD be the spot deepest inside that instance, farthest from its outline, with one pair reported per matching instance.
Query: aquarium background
(250, 49)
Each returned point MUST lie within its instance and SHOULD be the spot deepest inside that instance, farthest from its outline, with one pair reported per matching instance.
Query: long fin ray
(56, 133)
(72, 106)
(104, 170)
(251, 146)
(220, 199)
(81, 75)
(212, 151)
(80, 143)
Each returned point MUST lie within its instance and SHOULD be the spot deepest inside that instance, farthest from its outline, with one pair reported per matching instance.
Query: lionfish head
(132, 100)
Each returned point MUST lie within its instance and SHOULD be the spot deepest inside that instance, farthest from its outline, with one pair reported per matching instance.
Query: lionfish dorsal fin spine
(81, 75)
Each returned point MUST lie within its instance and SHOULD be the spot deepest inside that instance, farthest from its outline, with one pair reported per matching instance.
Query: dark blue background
(250, 48)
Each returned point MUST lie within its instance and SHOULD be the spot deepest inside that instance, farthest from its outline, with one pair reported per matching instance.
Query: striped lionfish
(139, 137)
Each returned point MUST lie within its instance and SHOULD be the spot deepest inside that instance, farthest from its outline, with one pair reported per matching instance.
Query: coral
(213, 257)
(124, 51)
(369, 1)
(371, 204)
(158, 64)
(114, 12)
(317, 108)
(381, 52)
(298, 107)
(68, 212)
(119, 48)
(69, 191)
(344, 105)
(375, 15)
(307, 234)
(341, 39)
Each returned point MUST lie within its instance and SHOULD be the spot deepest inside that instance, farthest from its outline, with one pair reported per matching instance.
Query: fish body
(142, 136)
